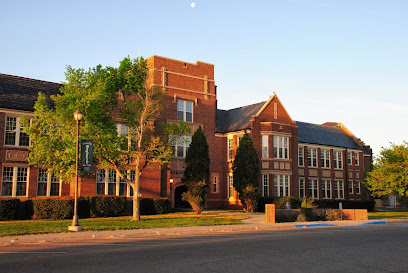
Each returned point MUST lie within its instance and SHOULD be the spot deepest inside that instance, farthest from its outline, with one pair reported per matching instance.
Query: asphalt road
(371, 248)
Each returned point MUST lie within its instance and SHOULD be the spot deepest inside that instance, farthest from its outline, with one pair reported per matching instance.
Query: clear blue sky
(327, 60)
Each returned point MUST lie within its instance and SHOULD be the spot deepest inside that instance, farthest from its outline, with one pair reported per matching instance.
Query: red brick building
(297, 159)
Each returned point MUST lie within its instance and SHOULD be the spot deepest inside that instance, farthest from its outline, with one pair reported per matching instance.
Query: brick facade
(192, 86)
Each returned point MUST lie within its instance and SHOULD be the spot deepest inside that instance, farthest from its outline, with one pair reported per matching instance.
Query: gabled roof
(20, 93)
(326, 135)
(236, 119)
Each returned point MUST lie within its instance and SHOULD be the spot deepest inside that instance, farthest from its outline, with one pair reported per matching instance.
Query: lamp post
(75, 226)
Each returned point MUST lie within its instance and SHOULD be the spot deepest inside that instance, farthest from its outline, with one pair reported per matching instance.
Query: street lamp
(75, 226)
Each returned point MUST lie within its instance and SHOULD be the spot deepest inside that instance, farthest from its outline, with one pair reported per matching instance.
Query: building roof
(326, 135)
(20, 93)
(236, 119)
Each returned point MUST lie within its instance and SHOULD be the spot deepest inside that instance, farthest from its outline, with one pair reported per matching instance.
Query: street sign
(86, 156)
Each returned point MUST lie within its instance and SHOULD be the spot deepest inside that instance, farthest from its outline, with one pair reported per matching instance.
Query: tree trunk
(136, 194)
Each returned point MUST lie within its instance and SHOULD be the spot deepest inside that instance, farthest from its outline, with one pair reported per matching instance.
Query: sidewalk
(255, 223)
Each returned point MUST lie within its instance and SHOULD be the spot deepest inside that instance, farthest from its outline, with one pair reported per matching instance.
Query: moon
(192, 4)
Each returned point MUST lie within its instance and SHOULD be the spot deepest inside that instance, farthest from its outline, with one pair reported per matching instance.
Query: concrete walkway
(255, 223)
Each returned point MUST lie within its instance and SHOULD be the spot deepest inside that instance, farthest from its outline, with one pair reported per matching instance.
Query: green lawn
(13, 228)
(388, 215)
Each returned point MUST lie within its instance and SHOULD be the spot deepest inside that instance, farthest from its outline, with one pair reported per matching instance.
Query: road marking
(35, 252)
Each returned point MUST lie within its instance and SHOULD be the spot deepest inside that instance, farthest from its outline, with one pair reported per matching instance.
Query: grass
(184, 219)
(388, 215)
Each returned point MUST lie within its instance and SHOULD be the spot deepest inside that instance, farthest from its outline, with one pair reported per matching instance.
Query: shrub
(286, 215)
(333, 215)
(404, 201)
(106, 206)
(301, 217)
(28, 208)
(263, 201)
(53, 208)
(9, 208)
(280, 202)
(147, 206)
(161, 205)
(347, 204)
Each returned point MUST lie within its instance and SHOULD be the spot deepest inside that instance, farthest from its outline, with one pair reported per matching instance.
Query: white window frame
(351, 187)
(214, 182)
(312, 157)
(326, 189)
(117, 181)
(230, 185)
(356, 159)
(357, 187)
(265, 185)
(183, 142)
(14, 181)
(302, 192)
(313, 189)
(338, 189)
(301, 156)
(48, 180)
(282, 185)
(18, 131)
(325, 158)
(230, 148)
(349, 158)
(338, 159)
(281, 147)
(182, 108)
(265, 146)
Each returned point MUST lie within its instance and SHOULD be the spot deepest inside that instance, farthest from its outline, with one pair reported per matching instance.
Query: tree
(197, 171)
(389, 174)
(246, 168)
(104, 96)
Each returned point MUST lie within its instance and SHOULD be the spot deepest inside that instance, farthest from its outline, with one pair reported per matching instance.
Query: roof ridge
(30, 79)
(263, 102)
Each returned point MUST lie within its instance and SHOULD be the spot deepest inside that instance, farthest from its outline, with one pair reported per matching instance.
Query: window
(185, 110)
(123, 132)
(337, 159)
(230, 148)
(357, 187)
(325, 158)
(301, 156)
(48, 184)
(265, 150)
(311, 157)
(338, 189)
(313, 190)
(14, 133)
(281, 147)
(14, 181)
(108, 182)
(282, 185)
(301, 187)
(351, 187)
(356, 159)
(326, 189)
(265, 185)
(182, 146)
(230, 186)
(349, 158)
(214, 187)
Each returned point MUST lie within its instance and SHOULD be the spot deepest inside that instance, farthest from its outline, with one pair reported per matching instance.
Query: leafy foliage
(53, 208)
(197, 171)
(106, 206)
(389, 174)
(104, 96)
(246, 168)
(8, 209)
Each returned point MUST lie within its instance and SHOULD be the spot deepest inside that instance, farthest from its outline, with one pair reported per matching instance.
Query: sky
(327, 60)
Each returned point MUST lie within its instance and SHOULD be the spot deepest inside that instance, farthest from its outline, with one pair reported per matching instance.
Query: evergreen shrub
(53, 208)
(161, 205)
(8, 209)
(106, 206)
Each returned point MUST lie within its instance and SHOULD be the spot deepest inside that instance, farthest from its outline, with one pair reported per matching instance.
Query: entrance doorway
(178, 201)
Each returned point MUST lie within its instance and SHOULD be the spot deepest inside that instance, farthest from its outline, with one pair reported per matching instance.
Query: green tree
(246, 168)
(197, 171)
(389, 174)
(105, 96)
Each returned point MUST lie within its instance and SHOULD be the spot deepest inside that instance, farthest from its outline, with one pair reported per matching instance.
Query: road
(371, 248)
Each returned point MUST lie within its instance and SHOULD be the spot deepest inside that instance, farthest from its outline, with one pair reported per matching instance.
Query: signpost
(86, 156)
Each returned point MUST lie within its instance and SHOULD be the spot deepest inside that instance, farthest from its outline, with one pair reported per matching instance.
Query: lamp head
(78, 115)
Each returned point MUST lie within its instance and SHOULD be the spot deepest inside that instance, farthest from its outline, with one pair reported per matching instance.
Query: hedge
(53, 208)
(106, 206)
(9, 209)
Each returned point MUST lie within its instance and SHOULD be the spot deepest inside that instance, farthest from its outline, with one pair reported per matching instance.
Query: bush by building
(53, 208)
(9, 209)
